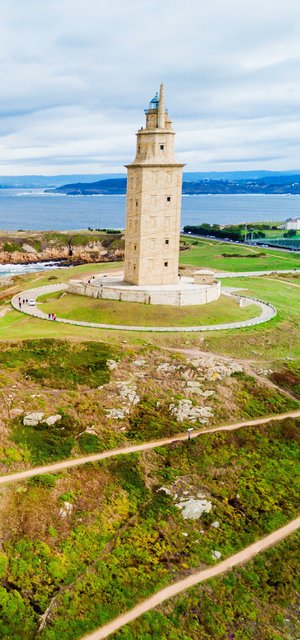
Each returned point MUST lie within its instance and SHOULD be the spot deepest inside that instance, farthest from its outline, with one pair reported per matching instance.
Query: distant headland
(267, 184)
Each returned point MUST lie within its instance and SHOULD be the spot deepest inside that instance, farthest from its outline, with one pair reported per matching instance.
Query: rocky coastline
(69, 250)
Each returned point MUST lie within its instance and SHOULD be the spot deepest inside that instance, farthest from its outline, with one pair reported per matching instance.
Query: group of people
(24, 301)
(51, 316)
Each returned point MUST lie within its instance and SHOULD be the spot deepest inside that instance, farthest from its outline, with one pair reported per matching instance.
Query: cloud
(76, 77)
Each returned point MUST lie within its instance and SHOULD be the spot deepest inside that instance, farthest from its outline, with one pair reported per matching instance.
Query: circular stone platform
(267, 312)
(113, 287)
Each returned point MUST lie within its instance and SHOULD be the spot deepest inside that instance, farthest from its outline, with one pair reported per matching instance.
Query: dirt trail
(75, 462)
(176, 588)
(287, 282)
(4, 311)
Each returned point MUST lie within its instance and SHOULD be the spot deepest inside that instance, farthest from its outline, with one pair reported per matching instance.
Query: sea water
(18, 269)
(33, 209)
(23, 209)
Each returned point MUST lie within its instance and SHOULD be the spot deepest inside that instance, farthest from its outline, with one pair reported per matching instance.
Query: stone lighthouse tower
(153, 202)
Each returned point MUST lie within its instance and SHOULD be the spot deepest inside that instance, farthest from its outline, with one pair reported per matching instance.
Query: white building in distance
(291, 223)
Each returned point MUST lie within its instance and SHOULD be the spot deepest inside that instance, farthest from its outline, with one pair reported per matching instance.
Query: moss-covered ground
(259, 600)
(123, 538)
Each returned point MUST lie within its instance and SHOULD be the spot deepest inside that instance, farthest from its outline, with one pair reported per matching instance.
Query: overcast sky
(76, 76)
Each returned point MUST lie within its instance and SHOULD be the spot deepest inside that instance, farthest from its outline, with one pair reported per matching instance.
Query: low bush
(57, 363)
(47, 443)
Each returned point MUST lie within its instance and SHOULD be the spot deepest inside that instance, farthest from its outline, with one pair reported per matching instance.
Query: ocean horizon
(32, 209)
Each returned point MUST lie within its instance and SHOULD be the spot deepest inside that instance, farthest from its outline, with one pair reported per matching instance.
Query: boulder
(140, 362)
(66, 510)
(53, 419)
(33, 419)
(116, 414)
(28, 248)
(193, 509)
(186, 412)
(128, 392)
(112, 364)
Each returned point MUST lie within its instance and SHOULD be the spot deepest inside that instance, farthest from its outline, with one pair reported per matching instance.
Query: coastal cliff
(72, 247)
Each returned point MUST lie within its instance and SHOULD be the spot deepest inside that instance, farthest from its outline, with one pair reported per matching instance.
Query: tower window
(134, 247)
(166, 264)
(139, 148)
(162, 146)
(168, 198)
(166, 241)
(136, 203)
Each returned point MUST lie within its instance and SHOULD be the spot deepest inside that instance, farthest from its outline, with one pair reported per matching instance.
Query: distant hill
(269, 184)
(47, 182)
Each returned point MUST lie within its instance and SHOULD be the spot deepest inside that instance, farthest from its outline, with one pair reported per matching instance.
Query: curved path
(194, 579)
(75, 462)
(267, 312)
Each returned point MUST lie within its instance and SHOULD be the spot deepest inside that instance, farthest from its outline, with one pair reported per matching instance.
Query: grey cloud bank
(77, 75)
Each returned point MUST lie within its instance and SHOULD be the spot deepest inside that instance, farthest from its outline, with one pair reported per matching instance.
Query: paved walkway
(267, 312)
(75, 462)
(196, 578)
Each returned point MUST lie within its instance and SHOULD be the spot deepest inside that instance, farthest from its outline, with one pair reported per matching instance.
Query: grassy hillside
(209, 253)
(122, 537)
(79, 547)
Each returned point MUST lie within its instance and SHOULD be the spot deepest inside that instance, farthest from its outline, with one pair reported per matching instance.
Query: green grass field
(208, 253)
(278, 233)
(133, 313)
(279, 338)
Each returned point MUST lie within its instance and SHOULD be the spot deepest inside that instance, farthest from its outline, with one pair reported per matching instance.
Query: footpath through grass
(258, 600)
